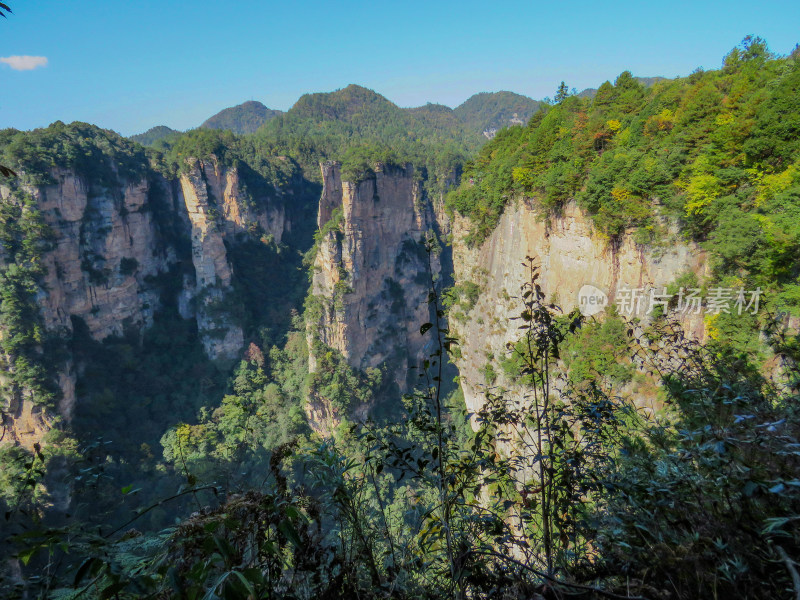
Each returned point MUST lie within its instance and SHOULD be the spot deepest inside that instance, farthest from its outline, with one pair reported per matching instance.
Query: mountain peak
(340, 104)
(242, 118)
(487, 112)
(154, 134)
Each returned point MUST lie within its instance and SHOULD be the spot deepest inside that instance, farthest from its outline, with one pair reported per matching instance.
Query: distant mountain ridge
(243, 118)
(345, 104)
(478, 118)
(479, 113)
(154, 134)
(363, 111)
(488, 112)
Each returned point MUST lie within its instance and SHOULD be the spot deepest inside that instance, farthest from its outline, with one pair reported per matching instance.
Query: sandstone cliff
(114, 249)
(569, 254)
(370, 274)
(206, 193)
(105, 252)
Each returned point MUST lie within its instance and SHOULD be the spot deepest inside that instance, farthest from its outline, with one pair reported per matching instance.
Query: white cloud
(24, 63)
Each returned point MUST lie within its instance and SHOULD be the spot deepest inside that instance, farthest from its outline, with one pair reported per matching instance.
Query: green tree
(562, 93)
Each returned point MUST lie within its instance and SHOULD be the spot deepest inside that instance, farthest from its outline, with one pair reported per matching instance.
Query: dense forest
(182, 475)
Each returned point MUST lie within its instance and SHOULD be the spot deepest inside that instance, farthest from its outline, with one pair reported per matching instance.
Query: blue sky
(129, 65)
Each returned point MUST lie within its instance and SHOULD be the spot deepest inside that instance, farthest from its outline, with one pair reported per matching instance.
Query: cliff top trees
(562, 93)
(716, 151)
(644, 143)
(95, 153)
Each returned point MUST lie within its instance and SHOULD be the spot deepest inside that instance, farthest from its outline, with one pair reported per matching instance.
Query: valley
(337, 351)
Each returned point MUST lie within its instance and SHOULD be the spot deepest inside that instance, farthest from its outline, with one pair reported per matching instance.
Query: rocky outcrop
(370, 275)
(222, 337)
(106, 247)
(570, 254)
(221, 211)
(113, 248)
(23, 421)
(105, 252)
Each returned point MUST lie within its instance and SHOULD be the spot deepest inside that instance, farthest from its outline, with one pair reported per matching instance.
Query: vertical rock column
(370, 273)
(222, 338)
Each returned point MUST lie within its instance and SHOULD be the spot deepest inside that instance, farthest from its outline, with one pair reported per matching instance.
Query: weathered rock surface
(569, 254)
(221, 337)
(371, 271)
(106, 245)
(106, 249)
(114, 245)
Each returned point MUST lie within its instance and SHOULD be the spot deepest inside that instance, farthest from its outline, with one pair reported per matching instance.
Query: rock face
(371, 271)
(205, 192)
(106, 249)
(114, 246)
(106, 246)
(569, 254)
(220, 212)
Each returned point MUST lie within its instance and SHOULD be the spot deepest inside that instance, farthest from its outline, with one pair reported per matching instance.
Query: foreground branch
(579, 586)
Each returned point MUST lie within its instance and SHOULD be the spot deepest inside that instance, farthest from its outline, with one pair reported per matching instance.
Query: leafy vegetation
(687, 147)
(263, 411)
(721, 513)
(598, 354)
(644, 81)
(98, 155)
(596, 498)
(29, 352)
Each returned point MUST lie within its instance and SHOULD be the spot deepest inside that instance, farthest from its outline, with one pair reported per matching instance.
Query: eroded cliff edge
(114, 247)
(370, 276)
(569, 254)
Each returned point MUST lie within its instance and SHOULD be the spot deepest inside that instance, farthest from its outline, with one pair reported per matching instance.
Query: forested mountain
(355, 123)
(482, 114)
(487, 113)
(155, 134)
(348, 355)
(243, 118)
(359, 113)
(706, 150)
